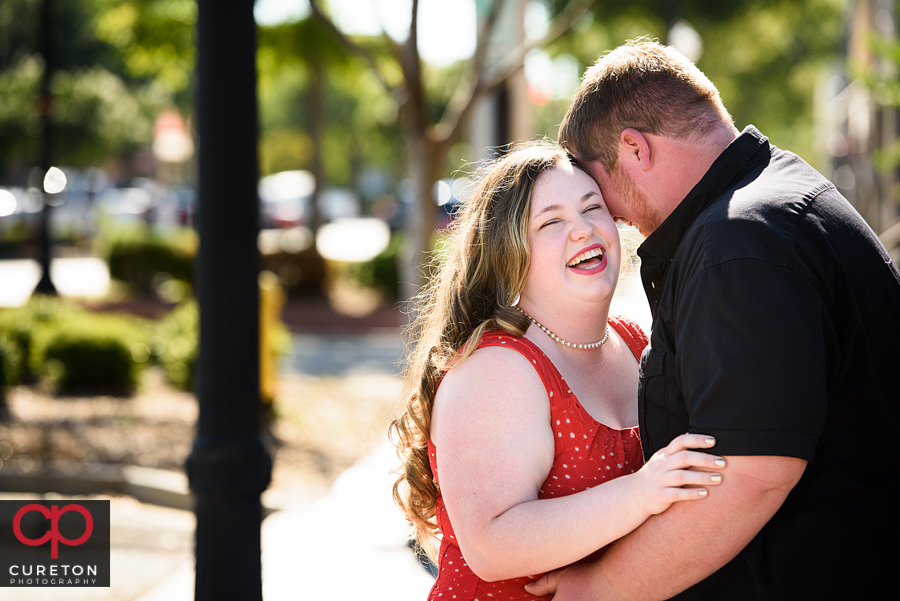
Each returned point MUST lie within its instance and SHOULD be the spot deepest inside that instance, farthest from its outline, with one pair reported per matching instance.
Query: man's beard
(646, 216)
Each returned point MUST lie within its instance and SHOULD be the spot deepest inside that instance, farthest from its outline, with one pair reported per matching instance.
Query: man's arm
(678, 548)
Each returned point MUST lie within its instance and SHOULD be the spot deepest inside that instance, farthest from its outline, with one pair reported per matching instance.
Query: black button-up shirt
(776, 328)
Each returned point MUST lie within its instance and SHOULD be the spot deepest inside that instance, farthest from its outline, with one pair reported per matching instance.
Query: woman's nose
(581, 228)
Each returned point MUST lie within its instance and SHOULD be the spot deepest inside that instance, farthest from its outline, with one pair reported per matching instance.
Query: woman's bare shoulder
(495, 391)
(492, 380)
(493, 365)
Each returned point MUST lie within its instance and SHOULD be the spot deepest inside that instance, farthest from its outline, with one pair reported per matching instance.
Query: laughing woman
(519, 435)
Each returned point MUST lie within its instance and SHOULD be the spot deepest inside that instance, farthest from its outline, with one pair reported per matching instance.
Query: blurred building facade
(860, 119)
(503, 116)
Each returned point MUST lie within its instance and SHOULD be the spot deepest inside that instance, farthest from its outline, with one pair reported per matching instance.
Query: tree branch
(409, 60)
(512, 62)
(490, 79)
(482, 42)
(416, 106)
(460, 103)
(389, 41)
(355, 48)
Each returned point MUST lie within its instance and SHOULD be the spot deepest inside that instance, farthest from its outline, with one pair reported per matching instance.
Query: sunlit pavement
(351, 544)
(348, 544)
(85, 277)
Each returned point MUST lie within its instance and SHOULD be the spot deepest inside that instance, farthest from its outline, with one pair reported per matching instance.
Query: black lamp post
(45, 284)
(228, 467)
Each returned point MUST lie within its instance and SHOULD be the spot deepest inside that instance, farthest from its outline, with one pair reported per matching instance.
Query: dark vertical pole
(45, 285)
(502, 116)
(228, 467)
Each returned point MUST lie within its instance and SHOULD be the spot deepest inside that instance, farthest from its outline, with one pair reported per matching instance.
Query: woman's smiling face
(573, 240)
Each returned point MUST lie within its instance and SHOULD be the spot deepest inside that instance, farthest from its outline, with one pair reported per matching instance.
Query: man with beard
(776, 328)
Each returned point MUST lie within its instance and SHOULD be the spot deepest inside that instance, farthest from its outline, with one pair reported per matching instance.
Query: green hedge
(88, 359)
(383, 272)
(76, 351)
(174, 344)
(10, 362)
(19, 326)
(71, 349)
(141, 258)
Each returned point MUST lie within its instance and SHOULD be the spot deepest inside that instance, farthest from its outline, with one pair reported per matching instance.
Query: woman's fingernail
(720, 462)
(702, 492)
(716, 477)
(710, 440)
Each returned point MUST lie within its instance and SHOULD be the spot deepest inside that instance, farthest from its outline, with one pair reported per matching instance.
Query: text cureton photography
(54, 543)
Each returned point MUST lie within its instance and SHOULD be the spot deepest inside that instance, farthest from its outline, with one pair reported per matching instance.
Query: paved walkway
(309, 547)
(348, 544)
(345, 354)
(85, 277)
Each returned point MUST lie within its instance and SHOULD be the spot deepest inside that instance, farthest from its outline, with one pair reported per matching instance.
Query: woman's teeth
(597, 252)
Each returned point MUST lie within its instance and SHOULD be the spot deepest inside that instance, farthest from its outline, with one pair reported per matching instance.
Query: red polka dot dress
(587, 454)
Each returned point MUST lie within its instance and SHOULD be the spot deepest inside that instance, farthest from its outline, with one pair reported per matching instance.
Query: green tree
(101, 106)
(154, 41)
(319, 107)
(766, 58)
(431, 123)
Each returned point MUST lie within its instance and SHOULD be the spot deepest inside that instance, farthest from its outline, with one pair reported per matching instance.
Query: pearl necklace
(591, 345)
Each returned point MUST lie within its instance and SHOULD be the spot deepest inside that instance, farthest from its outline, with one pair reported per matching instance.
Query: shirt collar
(663, 243)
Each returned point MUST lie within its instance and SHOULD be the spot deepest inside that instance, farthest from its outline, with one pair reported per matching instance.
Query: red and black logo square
(54, 543)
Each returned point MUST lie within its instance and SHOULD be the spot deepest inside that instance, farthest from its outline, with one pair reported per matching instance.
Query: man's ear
(634, 150)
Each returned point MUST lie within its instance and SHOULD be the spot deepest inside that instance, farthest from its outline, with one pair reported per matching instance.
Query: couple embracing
(745, 449)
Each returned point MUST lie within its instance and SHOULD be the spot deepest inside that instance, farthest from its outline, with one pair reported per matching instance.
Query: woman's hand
(675, 473)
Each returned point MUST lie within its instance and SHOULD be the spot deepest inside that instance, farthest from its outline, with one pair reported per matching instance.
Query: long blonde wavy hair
(471, 290)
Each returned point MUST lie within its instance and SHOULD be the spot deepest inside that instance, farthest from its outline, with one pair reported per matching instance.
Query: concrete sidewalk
(310, 545)
(349, 543)
(83, 277)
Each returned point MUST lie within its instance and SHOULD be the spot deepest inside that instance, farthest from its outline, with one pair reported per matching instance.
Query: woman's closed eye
(549, 223)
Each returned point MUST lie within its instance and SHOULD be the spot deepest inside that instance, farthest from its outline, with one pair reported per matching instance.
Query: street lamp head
(54, 181)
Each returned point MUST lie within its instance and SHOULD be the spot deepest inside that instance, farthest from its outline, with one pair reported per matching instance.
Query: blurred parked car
(285, 199)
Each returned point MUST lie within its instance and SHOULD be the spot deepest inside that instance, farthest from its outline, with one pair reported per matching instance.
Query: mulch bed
(322, 426)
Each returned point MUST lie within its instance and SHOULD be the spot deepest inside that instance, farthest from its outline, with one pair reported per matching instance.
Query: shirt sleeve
(751, 358)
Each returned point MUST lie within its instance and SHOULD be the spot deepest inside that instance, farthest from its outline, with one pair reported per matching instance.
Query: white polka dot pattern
(587, 453)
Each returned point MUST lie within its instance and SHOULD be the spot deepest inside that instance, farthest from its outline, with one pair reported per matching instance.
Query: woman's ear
(634, 150)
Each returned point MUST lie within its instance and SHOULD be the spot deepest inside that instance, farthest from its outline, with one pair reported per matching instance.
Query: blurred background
(369, 131)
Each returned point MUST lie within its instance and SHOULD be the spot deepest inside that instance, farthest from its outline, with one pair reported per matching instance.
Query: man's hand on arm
(682, 546)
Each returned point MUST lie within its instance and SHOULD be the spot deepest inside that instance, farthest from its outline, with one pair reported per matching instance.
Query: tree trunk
(316, 118)
(425, 159)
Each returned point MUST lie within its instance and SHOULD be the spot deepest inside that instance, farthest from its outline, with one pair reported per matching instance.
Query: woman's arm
(491, 428)
(674, 551)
